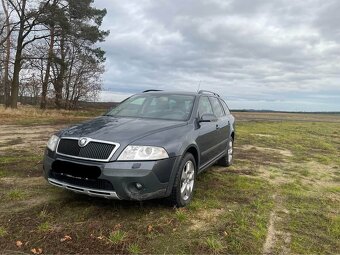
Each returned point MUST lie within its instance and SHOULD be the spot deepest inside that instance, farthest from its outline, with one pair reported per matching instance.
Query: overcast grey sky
(257, 54)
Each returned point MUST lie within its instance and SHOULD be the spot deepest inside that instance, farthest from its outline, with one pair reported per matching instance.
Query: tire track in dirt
(277, 239)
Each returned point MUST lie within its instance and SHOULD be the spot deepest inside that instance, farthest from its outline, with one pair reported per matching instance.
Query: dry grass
(31, 111)
(277, 116)
(30, 115)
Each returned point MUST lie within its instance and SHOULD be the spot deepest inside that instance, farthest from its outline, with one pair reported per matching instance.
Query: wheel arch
(233, 135)
(193, 149)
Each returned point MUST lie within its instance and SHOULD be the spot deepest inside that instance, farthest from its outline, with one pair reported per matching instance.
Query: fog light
(138, 185)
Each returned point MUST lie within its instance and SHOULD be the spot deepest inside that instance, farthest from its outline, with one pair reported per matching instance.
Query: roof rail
(151, 90)
(207, 91)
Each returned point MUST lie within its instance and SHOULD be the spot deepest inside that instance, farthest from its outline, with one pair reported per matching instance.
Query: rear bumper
(155, 177)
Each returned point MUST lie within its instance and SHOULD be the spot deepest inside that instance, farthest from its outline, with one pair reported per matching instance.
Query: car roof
(161, 92)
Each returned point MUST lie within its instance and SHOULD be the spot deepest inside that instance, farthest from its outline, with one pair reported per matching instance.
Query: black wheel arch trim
(183, 151)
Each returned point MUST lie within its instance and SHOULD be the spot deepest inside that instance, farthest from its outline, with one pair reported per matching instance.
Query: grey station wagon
(152, 145)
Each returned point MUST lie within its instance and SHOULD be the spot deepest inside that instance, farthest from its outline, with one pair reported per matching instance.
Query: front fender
(193, 145)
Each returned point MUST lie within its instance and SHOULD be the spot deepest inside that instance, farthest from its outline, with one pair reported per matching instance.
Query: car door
(223, 125)
(207, 132)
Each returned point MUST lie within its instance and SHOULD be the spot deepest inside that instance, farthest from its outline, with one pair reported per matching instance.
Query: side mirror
(208, 118)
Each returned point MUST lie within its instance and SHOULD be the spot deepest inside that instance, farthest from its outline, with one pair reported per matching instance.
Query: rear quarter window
(225, 107)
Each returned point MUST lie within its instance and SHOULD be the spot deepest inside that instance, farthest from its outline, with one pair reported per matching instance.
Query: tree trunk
(7, 56)
(48, 69)
(18, 58)
(15, 82)
(68, 83)
(59, 83)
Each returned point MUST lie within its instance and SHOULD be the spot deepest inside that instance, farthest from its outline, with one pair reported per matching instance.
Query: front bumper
(83, 190)
(155, 177)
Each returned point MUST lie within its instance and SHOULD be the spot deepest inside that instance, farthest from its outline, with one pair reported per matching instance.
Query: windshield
(167, 107)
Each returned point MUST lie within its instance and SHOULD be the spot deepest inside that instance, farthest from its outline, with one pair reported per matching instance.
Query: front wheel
(228, 159)
(183, 188)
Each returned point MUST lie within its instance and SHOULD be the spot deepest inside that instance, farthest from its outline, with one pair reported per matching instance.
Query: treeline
(49, 52)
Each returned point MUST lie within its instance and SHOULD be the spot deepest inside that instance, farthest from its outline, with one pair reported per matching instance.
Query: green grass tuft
(16, 194)
(117, 237)
(181, 215)
(3, 232)
(44, 227)
(214, 245)
(134, 249)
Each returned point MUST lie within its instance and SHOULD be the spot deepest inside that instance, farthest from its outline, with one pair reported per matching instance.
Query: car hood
(121, 130)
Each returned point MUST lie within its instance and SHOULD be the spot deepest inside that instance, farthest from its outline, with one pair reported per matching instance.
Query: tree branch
(34, 39)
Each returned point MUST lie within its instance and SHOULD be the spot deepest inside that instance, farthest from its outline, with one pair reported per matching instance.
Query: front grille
(85, 183)
(93, 150)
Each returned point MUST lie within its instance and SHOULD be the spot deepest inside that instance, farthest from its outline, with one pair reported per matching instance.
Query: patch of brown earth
(273, 175)
(18, 206)
(27, 138)
(243, 171)
(264, 135)
(286, 153)
(23, 182)
(255, 156)
(312, 174)
(205, 219)
(31, 184)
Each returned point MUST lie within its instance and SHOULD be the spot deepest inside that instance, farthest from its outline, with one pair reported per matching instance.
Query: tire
(228, 159)
(184, 184)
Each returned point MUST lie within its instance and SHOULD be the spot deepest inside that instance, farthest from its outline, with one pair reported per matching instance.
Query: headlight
(133, 152)
(52, 143)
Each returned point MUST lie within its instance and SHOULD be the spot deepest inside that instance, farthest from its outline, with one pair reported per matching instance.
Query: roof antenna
(199, 86)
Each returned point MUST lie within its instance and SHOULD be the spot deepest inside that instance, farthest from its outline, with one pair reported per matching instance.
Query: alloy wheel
(187, 180)
(230, 151)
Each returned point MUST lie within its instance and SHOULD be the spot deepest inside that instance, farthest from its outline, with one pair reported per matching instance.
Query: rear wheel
(183, 188)
(228, 159)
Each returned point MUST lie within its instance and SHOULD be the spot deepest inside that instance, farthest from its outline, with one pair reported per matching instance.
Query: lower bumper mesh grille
(79, 175)
(91, 184)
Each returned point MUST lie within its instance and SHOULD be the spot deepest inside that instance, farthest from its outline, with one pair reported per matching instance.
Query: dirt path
(22, 137)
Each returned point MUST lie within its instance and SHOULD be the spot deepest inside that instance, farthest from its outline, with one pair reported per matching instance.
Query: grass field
(281, 196)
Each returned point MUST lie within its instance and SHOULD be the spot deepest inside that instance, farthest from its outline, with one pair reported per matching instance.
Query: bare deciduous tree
(53, 42)
(29, 19)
